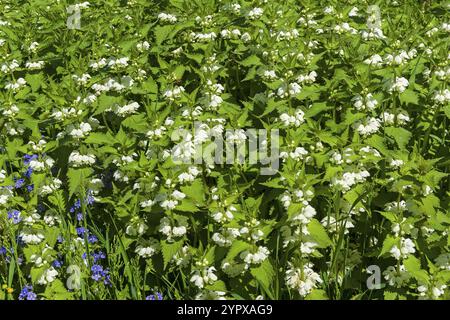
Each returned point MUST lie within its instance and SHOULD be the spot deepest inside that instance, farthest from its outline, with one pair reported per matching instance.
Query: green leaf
(252, 60)
(319, 234)
(409, 96)
(388, 243)
(400, 135)
(317, 294)
(447, 110)
(100, 138)
(76, 178)
(236, 248)
(264, 274)
(412, 265)
(169, 250)
(316, 108)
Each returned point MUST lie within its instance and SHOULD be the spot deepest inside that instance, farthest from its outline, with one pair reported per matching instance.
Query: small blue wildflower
(80, 231)
(30, 187)
(90, 198)
(29, 172)
(27, 293)
(2, 251)
(79, 216)
(60, 239)
(15, 216)
(98, 256)
(92, 239)
(28, 158)
(19, 183)
(57, 263)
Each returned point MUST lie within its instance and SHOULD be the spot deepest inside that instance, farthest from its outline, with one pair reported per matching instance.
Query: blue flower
(80, 231)
(30, 187)
(57, 263)
(92, 239)
(19, 183)
(79, 216)
(27, 293)
(157, 296)
(2, 251)
(29, 172)
(27, 158)
(15, 216)
(98, 256)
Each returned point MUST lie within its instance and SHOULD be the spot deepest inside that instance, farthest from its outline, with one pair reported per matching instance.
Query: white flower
(255, 13)
(406, 247)
(148, 250)
(398, 84)
(31, 238)
(48, 276)
(302, 280)
(77, 160)
(165, 17)
(205, 276)
(370, 126)
(128, 109)
(374, 60)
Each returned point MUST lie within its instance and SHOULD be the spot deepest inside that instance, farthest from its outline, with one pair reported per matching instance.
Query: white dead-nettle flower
(287, 35)
(307, 78)
(118, 63)
(396, 163)
(95, 65)
(246, 37)
(396, 277)
(398, 84)
(269, 75)
(203, 277)
(293, 121)
(167, 17)
(175, 93)
(328, 10)
(31, 238)
(143, 46)
(148, 249)
(442, 96)
(83, 79)
(226, 237)
(14, 86)
(354, 12)
(34, 65)
(77, 160)
(305, 215)
(10, 111)
(292, 89)
(171, 231)
(373, 33)
(123, 111)
(374, 60)
(255, 258)
(81, 131)
(255, 13)
(202, 37)
(344, 28)
(366, 102)
(9, 67)
(349, 179)
(50, 188)
(370, 126)
(406, 248)
(304, 280)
